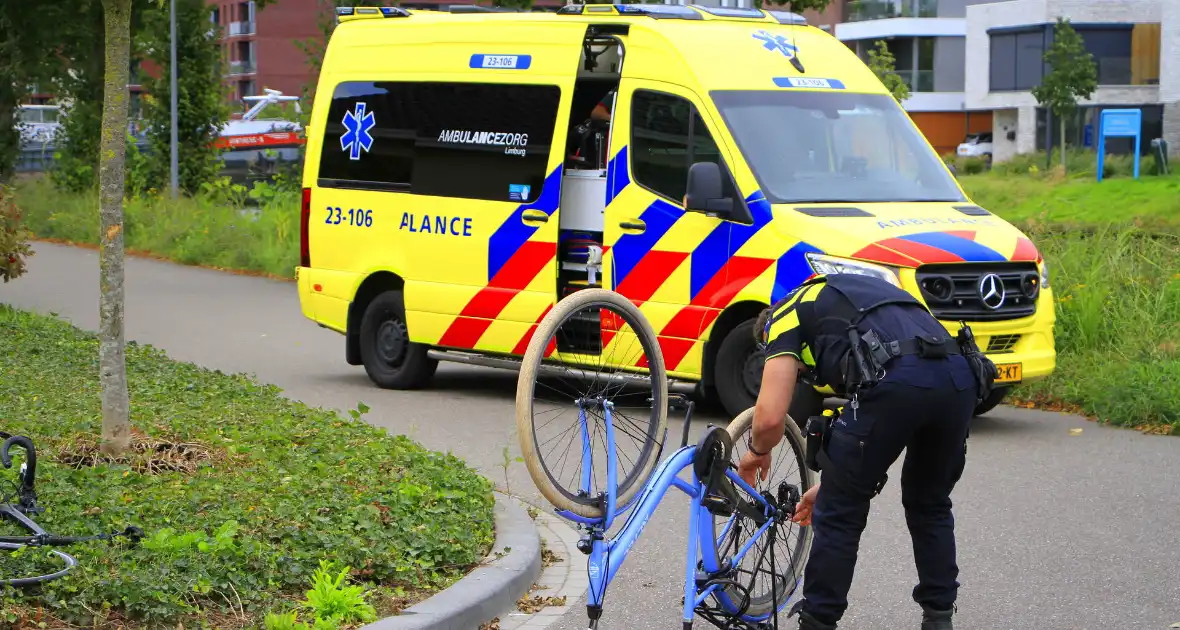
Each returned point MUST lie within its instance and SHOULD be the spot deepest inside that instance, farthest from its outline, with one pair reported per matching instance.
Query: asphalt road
(1056, 531)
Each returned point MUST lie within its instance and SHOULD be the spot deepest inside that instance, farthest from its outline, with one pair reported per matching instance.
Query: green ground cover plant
(247, 499)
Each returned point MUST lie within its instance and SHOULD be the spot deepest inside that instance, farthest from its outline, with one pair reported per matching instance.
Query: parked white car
(977, 145)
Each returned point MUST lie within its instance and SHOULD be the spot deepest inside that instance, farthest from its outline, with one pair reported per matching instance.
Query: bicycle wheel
(593, 345)
(792, 542)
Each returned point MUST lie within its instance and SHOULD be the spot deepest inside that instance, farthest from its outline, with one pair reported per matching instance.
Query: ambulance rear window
(834, 146)
(460, 140)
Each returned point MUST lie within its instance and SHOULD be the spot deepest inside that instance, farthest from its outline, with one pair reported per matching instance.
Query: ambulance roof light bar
(682, 12)
(344, 14)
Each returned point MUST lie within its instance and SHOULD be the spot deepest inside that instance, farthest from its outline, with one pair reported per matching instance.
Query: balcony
(241, 28)
(918, 80)
(862, 10)
(242, 67)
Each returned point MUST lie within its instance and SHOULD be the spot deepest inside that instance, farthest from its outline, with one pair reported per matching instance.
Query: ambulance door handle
(633, 224)
(534, 216)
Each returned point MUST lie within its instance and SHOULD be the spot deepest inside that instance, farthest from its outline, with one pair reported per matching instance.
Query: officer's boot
(807, 622)
(936, 619)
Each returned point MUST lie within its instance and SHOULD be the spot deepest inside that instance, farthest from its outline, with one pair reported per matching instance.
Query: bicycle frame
(606, 556)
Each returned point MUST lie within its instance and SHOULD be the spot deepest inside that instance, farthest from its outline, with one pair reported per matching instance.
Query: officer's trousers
(924, 406)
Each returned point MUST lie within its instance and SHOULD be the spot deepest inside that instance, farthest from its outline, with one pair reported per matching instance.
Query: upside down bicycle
(745, 557)
(26, 506)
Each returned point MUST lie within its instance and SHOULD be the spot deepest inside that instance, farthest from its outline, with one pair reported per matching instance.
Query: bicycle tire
(70, 563)
(737, 429)
(532, 360)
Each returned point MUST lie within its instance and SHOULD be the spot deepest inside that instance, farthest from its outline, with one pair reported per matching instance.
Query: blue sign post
(1119, 123)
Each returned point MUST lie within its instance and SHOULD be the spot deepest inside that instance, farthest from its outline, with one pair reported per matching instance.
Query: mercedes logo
(991, 291)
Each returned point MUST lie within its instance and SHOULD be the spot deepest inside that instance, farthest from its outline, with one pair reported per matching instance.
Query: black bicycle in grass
(26, 506)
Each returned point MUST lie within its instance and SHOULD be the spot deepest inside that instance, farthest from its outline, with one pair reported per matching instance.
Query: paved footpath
(1056, 531)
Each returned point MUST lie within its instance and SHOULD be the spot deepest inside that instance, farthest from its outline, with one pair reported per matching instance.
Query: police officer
(911, 386)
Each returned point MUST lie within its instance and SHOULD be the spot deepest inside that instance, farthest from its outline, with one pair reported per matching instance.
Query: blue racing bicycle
(595, 361)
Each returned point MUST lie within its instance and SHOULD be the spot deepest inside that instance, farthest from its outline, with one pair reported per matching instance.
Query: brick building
(260, 49)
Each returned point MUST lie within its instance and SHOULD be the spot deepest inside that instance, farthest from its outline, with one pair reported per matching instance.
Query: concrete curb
(489, 590)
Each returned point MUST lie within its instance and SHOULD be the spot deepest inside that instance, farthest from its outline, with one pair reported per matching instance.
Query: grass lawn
(1113, 250)
(241, 493)
(1152, 202)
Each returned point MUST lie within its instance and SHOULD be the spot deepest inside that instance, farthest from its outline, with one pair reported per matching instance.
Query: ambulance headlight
(826, 265)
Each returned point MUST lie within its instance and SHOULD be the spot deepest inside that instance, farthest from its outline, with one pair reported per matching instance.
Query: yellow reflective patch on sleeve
(783, 325)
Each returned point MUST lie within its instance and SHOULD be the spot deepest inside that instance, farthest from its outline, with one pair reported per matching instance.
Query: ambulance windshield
(833, 146)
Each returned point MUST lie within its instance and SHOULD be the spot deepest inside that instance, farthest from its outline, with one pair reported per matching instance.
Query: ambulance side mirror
(705, 192)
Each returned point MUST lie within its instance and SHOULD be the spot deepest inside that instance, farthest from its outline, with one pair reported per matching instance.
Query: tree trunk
(116, 425)
(1062, 122)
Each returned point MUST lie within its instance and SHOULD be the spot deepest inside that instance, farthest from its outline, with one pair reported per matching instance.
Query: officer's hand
(752, 464)
(806, 503)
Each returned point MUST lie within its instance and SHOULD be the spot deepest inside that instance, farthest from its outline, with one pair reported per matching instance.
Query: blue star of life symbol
(357, 136)
(776, 42)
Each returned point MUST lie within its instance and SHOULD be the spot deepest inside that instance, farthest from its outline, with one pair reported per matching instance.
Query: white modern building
(1135, 44)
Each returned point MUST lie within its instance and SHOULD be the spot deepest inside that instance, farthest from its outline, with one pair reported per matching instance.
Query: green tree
(882, 63)
(112, 363)
(80, 80)
(1072, 75)
(202, 104)
(28, 32)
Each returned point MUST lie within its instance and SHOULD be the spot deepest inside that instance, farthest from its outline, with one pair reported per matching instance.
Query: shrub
(213, 229)
(14, 238)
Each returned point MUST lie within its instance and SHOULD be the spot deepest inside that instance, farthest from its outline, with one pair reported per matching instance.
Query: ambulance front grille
(957, 291)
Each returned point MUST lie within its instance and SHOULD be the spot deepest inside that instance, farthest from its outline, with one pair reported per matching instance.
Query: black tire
(737, 373)
(390, 358)
(792, 449)
(997, 396)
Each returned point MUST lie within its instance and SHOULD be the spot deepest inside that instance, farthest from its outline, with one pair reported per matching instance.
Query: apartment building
(261, 46)
(927, 40)
(1135, 45)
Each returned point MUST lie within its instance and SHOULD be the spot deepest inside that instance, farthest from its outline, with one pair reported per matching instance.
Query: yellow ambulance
(466, 170)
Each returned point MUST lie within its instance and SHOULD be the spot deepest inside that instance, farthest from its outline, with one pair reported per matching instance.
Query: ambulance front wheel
(390, 358)
(737, 377)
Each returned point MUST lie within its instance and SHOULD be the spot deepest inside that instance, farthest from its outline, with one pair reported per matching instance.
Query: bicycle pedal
(717, 506)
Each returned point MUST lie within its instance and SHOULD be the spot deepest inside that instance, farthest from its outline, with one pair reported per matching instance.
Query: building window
(1017, 60)
(1081, 129)
(667, 136)
(428, 139)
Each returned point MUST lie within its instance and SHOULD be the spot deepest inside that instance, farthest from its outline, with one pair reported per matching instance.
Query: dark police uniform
(922, 402)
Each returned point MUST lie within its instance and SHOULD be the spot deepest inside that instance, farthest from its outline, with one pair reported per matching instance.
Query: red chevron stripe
(464, 332)
(689, 324)
(967, 234)
(1025, 250)
(925, 254)
(524, 341)
(649, 274)
(875, 253)
(490, 301)
(674, 350)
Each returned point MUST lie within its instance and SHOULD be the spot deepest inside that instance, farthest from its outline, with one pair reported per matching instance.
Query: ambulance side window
(667, 136)
(463, 140)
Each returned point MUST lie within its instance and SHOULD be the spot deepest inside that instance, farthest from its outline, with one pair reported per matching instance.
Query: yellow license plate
(1009, 372)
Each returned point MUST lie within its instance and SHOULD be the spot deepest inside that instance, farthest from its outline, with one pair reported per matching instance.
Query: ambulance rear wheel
(390, 358)
(738, 377)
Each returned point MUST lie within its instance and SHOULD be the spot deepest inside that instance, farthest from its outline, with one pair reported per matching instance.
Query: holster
(982, 367)
(817, 430)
